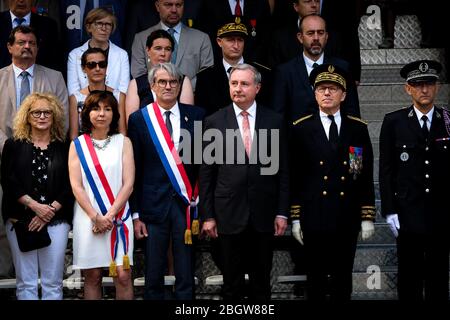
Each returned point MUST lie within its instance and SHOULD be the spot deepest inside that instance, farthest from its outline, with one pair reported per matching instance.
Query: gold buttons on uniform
(342, 194)
(325, 177)
(324, 193)
(321, 163)
(427, 176)
(427, 162)
(344, 163)
(343, 178)
(427, 190)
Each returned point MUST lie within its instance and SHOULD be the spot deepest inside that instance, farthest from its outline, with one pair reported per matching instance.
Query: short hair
(22, 29)
(21, 125)
(159, 34)
(92, 51)
(93, 100)
(171, 69)
(300, 26)
(244, 66)
(98, 14)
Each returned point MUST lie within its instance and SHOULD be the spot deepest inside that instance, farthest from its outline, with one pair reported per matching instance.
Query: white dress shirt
(175, 120)
(226, 65)
(309, 63)
(25, 23)
(326, 122)
(251, 118)
(18, 81)
(429, 116)
(177, 29)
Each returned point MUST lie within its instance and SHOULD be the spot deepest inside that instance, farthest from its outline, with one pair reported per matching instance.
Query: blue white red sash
(103, 195)
(171, 161)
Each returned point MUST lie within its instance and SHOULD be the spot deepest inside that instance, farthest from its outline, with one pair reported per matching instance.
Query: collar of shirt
(233, 6)
(27, 19)
(177, 29)
(309, 63)
(18, 80)
(326, 122)
(226, 65)
(420, 114)
(18, 71)
(251, 118)
(175, 120)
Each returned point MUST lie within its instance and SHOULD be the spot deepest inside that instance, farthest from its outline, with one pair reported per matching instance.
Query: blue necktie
(25, 86)
(19, 21)
(174, 52)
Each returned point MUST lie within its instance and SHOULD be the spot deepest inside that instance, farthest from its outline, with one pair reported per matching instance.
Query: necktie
(25, 86)
(315, 65)
(237, 9)
(333, 134)
(246, 136)
(174, 53)
(168, 123)
(425, 131)
(19, 21)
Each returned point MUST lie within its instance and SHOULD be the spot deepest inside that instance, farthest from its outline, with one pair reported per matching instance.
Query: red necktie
(246, 135)
(237, 9)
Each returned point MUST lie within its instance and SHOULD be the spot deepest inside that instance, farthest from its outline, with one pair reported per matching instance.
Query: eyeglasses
(331, 89)
(163, 83)
(93, 64)
(38, 113)
(101, 25)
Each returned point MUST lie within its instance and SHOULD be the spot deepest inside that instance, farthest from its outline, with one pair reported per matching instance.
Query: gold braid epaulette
(368, 213)
(301, 119)
(261, 66)
(357, 119)
(295, 212)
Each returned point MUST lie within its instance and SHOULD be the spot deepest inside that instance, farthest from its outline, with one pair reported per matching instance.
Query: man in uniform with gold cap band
(332, 186)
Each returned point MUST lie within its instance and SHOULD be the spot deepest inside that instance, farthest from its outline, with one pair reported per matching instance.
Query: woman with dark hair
(93, 63)
(160, 45)
(101, 168)
(37, 194)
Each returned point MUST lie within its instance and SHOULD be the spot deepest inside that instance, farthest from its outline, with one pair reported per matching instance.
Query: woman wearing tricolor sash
(101, 168)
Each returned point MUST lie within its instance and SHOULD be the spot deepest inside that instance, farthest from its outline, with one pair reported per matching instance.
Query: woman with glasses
(100, 23)
(94, 65)
(101, 168)
(36, 191)
(160, 45)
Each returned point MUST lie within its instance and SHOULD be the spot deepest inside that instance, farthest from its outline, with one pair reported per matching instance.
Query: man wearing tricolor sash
(164, 192)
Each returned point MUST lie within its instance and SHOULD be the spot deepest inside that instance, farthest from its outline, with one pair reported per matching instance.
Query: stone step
(377, 111)
(371, 94)
(398, 57)
(380, 285)
(381, 255)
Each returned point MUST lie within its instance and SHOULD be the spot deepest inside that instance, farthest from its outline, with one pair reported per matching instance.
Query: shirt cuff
(135, 215)
(280, 216)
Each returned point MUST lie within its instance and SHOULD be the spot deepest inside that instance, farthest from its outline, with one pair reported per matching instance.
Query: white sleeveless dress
(94, 250)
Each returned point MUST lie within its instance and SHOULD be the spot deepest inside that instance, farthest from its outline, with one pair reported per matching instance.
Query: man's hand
(140, 230)
(394, 224)
(367, 230)
(280, 225)
(210, 228)
(297, 231)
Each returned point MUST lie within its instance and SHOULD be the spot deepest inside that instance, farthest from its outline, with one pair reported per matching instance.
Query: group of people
(117, 160)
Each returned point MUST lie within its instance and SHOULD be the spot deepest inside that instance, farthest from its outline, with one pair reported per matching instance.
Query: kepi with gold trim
(329, 73)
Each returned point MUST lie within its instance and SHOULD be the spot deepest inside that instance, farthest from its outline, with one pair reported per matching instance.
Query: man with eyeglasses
(22, 77)
(46, 30)
(414, 178)
(332, 187)
(161, 209)
(192, 52)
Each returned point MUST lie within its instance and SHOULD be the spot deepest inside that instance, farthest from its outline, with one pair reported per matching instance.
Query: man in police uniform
(414, 176)
(332, 186)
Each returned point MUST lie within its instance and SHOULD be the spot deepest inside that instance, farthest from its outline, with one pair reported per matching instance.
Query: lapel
(436, 123)
(414, 124)
(185, 121)
(37, 76)
(303, 75)
(182, 44)
(12, 88)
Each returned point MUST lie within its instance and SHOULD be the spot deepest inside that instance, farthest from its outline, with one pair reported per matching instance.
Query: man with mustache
(292, 93)
(22, 77)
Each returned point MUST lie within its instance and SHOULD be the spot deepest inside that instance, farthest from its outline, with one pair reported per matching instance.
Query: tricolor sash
(172, 165)
(105, 198)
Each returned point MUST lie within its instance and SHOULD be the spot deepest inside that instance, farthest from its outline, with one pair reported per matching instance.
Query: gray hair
(171, 69)
(245, 66)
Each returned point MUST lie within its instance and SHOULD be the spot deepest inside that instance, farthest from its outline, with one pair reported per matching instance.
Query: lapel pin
(186, 118)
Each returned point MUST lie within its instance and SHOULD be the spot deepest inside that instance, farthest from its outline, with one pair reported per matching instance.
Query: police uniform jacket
(326, 195)
(415, 173)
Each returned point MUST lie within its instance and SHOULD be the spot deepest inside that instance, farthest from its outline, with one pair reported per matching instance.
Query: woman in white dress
(102, 233)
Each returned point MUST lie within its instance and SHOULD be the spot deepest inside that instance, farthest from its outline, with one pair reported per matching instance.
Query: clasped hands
(102, 223)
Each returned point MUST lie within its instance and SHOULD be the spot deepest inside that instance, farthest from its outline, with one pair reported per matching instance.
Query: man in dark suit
(414, 176)
(231, 38)
(244, 198)
(292, 93)
(46, 30)
(164, 210)
(332, 186)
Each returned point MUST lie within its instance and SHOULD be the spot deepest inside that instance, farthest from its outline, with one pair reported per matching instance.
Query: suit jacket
(238, 195)
(48, 41)
(326, 196)
(153, 192)
(44, 80)
(117, 73)
(16, 179)
(194, 52)
(293, 95)
(414, 173)
(215, 14)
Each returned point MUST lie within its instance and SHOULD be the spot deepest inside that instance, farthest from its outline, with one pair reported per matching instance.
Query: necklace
(99, 146)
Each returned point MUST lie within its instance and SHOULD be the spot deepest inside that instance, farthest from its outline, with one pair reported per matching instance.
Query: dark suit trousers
(329, 264)
(249, 251)
(156, 256)
(423, 263)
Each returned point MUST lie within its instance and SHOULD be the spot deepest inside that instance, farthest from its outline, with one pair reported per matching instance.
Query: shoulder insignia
(301, 119)
(357, 119)
(261, 66)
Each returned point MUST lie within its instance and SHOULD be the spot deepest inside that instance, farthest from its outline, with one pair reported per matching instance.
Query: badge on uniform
(356, 157)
